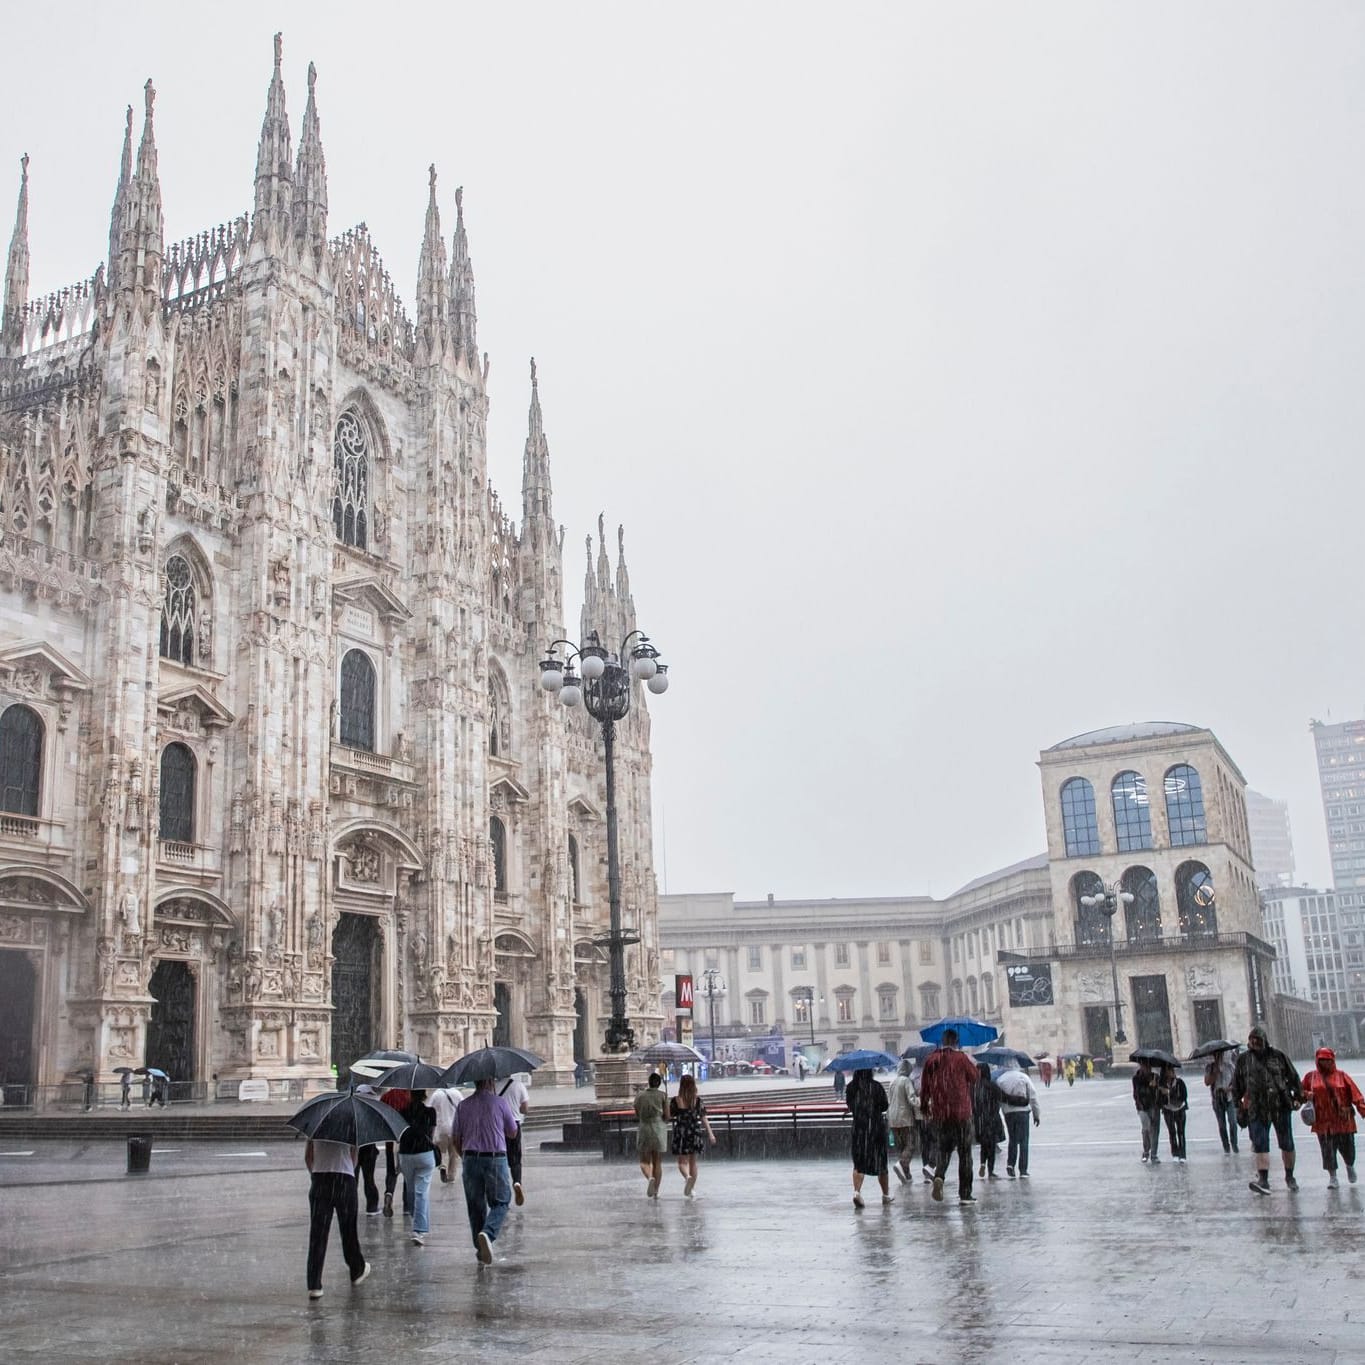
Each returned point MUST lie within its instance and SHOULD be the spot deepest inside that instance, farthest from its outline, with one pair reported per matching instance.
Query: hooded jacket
(1266, 1084)
(1334, 1095)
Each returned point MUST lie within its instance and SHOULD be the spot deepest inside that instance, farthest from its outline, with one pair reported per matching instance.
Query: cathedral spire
(535, 468)
(125, 176)
(462, 312)
(138, 243)
(433, 302)
(16, 272)
(622, 576)
(310, 177)
(274, 178)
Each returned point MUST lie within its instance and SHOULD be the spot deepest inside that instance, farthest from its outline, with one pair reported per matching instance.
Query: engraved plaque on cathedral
(359, 620)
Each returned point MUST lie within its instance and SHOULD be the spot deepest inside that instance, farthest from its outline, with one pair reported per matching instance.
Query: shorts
(1284, 1132)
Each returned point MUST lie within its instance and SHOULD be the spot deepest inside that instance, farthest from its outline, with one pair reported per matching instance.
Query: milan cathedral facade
(278, 783)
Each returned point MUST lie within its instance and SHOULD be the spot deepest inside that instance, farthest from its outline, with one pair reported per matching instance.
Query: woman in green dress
(651, 1137)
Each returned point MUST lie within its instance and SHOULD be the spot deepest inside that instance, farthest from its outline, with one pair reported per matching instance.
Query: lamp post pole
(605, 688)
(810, 1012)
(1108, 900)
(710, 974)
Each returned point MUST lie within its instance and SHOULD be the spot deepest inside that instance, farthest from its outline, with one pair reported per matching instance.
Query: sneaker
(651, 1190)
(418, 1240)
(1257, 1188)
(857, 1201)
(315, 1293)
(445, 1176)
(938, 1188)
(518, 1194)
(928, 1176)
(485, 1249)
(1290, 1182)
(1145, 1157)
(1351, 1174)
(982, 1171)
(1156, 1161)
(1023, 1175)
(1009, 1171)
(372, 1213)
(1332, 1181)
(1181, 1160)
(966, 1199)
(364, 1274)
(888, 1198)
(689, 1185)
(900, 1174)
(388, 1206)
(991, 1175)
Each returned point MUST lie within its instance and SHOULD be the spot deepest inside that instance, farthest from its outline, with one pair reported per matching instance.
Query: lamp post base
(619, 1079)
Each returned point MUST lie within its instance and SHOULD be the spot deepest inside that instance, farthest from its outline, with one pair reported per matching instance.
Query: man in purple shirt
(481, 1128)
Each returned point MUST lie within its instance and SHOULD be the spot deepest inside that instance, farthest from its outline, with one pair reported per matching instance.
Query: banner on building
(1030, 984)
(682, 994)
(685, 1029)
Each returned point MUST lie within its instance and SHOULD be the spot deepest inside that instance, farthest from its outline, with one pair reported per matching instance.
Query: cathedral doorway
(502, 1025)
(170, 1030)
(18, 1001)
(355, 1001)
(580, 1028)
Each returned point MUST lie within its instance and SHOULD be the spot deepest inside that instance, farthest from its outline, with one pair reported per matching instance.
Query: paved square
(1096, 1258)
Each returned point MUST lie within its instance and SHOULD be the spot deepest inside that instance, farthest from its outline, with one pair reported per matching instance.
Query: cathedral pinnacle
(125, 176)
(433, 303)
(462, 312)
(310, 178)
(136, 241)
(16, 272)
(535, 468)
(274, 176)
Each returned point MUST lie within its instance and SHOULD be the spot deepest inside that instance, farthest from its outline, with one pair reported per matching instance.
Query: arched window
(973, 1003)
(357, 700)
(499, 713)
(1078, 819)
(1132, 814)
(1092, 924)
(1185, 806)
(351, 481)
(497, 838)
(959, 1004)
(1194, 899)
(177, 794)
(575, 886)
(1143, 913)
(178, 616)
(928, 996)
(21, 760)
(988, 993)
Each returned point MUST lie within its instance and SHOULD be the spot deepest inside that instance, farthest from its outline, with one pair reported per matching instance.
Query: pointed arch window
(179, 612)
(21, 760)
(1185, 806)
(1132, 814)
(351, 481)
(1079, 829)
(1142, 915)
(178, 773)
(497, 838)
(357, 701)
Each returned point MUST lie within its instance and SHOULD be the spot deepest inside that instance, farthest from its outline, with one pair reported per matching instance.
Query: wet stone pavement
(1097, 1258)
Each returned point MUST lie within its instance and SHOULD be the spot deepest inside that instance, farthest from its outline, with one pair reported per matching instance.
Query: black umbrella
(344, 1116)
(1003, 1056)
(377, 1063)
(123, 1071)
(1212, 1048)
(675, 1054)
(1155, 1055)
(490, 1063)
(917, 1052)
(410, 1076)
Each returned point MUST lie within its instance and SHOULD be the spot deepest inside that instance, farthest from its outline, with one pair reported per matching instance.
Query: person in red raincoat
(1333, 1095)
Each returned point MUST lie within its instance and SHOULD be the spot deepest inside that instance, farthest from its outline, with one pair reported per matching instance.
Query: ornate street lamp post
(1108, 900)
(809, 993)
(604, 684)
(711, 975)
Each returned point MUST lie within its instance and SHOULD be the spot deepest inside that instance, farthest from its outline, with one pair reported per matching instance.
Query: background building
(1304, 928)
(1341, 772)
(277, 780)
(1272, 841)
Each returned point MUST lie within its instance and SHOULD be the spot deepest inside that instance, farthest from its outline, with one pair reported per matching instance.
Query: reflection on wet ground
(1097, 1258)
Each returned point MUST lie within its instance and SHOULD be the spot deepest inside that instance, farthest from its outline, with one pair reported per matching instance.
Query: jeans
(418, 1168)
(514, 1157)
(955, 1135)
(1175, 1127)
(487, 1193)
(331, 1192)
(1284, 1132)
(1331, 1144)
(1016, 1124)
(1226, 1113)
(1151, 1132)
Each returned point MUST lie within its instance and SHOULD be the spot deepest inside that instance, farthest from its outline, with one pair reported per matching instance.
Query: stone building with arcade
(277, 780)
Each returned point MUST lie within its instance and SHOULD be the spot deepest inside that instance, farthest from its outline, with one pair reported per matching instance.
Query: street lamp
(711, 975)
(605, 684)
(1108, 899)
(808, 994)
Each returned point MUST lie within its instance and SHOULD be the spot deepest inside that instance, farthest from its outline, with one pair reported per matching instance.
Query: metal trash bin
(139, 1154)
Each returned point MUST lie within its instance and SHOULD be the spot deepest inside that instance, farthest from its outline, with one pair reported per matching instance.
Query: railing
(184, 856)
(21, 827)
(1142, 947)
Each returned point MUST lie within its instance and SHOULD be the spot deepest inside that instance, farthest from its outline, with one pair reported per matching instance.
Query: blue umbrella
(861, 1060)
(970, 1032)
(1003, 1056)
(917, 1052)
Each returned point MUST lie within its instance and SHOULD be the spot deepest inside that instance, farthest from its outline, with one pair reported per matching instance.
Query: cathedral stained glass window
(178, 612)
(21, 760)
(177, 794)
(357, 701)
(351, 491)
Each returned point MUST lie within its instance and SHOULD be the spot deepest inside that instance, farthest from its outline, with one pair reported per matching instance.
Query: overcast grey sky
(967, 376)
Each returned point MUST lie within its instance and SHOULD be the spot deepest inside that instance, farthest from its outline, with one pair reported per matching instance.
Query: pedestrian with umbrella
(125, 1086)
(1268, 1092)
(480, 1130)
(417, 1154)
(946, 1091)
(1332, 1098)
(1147, 1102)
(867, 1102)
(1175, 1102)
(1220, 1066)
(1021, 1104)
(990, 1127)
(337, 1125)
(900, 1115)
(690, 1125)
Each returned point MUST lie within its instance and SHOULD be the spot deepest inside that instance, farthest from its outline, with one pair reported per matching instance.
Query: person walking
(417, 1159)
(1147, 1101)
(1045, 1071)
(690, 1127)
(1218, 1076)
(949, 1079)
(125, 1090)
(331, 1190)
(900, 1117)
(1020, 1104)
(397, 1100)
(482, 1125)
(1071, 1073)
(986, 1101)
(517, 1095)
(1334, 1095)
(867, 1102)
(839, 1085)
(924, 1129)
(1267, 1091)
(1175, 1102)
(651, 1133)
(443, 1104)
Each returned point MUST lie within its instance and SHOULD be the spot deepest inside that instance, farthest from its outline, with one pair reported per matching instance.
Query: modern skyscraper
(1272, 842)
(1341, 771)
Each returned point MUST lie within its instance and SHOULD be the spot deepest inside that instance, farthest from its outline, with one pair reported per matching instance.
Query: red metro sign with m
(682, 993)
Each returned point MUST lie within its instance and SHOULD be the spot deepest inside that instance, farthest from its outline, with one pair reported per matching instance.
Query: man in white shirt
(1021, 1100)
(444, 1102)
(515, 1092)
(331, 1166)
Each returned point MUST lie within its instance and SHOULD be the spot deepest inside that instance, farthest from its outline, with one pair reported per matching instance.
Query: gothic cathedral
(278, 783)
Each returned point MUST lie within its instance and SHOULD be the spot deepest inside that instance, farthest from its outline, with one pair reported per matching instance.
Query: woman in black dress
(990, 1127)
(866, 1101)
(690, 1128)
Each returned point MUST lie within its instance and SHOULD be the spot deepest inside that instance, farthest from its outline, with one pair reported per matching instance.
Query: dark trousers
(332, 1193)
(928, 1148)
(1016, 1125)
(955, 1135)
(1333, 1144)
(1175, 1130)
(1226, 1113)
(989, 1147)
(514, 1156)
(369, 1157)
